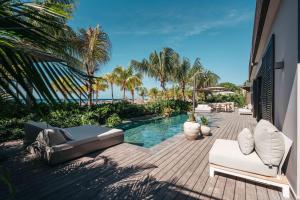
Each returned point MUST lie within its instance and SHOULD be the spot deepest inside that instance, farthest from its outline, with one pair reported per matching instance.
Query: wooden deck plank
(178, 169)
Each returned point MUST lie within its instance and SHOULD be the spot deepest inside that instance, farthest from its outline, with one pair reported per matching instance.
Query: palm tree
(133, 83)
(127, 79)
(153, 93)
(99, 85)
(211, 78)
(111, 79)
(143, 92)
(33, 49)
(158, 66)
(93, 46)
(182, 75)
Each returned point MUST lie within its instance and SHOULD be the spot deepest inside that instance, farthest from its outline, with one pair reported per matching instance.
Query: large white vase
(191, 130)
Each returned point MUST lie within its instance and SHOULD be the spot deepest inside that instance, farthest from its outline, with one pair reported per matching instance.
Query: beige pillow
(246, 141)
(269, 144)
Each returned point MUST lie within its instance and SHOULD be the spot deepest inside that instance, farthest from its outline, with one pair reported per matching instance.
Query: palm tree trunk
(97, 95)
(132, 94)
(183, 92)
(124, 90)
(90, 92)
(162, 85)
(174, 92)
(112, 92)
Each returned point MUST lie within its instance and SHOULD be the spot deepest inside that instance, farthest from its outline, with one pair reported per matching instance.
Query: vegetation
(230, 86)
(238, 99)
(99, 85)
(127, 80)
(159, 66)
(204, 120)
(93, 47)
(113, 121)
(13, 117)
(33, 36)
(111, 79)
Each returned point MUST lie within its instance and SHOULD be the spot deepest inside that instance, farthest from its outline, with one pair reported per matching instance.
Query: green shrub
(13, 116)
(177, 106)
(113, 121)
(204, 120)
(238, 99)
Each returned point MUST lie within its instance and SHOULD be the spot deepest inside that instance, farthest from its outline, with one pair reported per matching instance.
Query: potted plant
(191, 128)
(205, 130)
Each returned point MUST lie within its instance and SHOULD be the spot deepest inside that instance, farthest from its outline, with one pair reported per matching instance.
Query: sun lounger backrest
(287, 145)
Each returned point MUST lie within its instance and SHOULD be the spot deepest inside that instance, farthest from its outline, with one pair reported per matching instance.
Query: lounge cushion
(269, 143)
(246, 141)
(227, 153)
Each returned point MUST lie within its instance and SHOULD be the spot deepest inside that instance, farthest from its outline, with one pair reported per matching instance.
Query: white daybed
(80, 140)
(203, 108)
(226, 157)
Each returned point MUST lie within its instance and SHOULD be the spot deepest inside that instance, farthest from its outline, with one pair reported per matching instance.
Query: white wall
(285, 28)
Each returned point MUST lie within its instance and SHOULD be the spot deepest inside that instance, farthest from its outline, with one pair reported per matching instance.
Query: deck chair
(226, 157)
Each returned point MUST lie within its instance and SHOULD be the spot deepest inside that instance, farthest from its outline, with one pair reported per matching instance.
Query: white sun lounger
(85, 139)
(226, 157)
(203, 108)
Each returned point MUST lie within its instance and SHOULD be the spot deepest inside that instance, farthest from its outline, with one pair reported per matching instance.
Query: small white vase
(205, 130)
(191, 130)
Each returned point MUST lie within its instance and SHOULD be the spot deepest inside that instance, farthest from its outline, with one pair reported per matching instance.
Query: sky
(219, 32)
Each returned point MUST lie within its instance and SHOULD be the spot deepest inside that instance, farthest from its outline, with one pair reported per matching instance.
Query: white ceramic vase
(205, 130)
(191, 130)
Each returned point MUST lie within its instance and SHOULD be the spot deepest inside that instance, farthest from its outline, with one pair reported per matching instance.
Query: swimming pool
(155, 131)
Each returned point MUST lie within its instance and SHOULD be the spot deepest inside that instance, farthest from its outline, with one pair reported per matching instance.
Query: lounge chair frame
(278, 181)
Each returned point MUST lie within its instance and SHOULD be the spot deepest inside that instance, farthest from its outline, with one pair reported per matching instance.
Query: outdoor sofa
(203, 108)
(226, 157)
(76, 141)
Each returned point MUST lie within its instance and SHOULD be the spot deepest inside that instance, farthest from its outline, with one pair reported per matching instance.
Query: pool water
(155, 131)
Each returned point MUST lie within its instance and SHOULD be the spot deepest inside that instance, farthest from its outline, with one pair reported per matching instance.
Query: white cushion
(246, 141)
(269, 143)
(227, 153)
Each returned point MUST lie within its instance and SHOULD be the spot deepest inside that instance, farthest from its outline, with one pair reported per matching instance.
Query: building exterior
(274, 74)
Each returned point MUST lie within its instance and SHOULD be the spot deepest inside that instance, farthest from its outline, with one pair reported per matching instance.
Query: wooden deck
(175, 169)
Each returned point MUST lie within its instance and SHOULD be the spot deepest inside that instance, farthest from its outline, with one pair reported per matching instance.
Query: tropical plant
(133, 83)
(113, 121)
(34, 50)
(99, 85)
(204, 120)
(159, 66)
(211, 79)
(182, 74)
(127, 79)
(143, 92)
(153, 93)
(111, 79)
(93, 47)
(230, 86)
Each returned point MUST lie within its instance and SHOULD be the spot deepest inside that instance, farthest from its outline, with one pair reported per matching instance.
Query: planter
(191, 130)
(205, 130)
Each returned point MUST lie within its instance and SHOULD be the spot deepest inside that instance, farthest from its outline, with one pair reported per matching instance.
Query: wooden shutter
(267, 87)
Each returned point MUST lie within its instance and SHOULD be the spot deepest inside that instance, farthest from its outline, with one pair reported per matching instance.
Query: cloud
(183, 25)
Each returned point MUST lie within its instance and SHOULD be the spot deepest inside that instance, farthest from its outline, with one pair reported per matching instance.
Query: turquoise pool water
(155, 131)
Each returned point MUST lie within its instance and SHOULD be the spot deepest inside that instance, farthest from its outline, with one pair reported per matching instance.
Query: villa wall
(285, 29)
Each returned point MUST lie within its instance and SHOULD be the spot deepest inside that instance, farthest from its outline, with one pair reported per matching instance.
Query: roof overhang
(265, 13)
